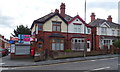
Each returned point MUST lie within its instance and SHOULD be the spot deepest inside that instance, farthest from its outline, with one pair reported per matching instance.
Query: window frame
(59, 42)
(104, 30)
(40, 27)
(77, 28)
(56, 24)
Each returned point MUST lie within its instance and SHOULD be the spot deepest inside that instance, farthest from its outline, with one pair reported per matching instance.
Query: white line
(103, 59)
(101, 68)
(118, 64)
(92, 60)
(112, 58)
(2, 63)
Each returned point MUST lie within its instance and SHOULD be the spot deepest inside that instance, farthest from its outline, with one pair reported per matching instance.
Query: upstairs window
(113, 32)
(77, 28)
(56, 26)
(118, 32)
(88, 30)
(40, 27)
(104, 30)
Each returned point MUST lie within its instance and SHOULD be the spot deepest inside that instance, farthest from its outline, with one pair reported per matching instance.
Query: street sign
(11, 41)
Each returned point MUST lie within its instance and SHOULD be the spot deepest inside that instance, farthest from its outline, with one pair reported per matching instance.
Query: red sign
(14, 38)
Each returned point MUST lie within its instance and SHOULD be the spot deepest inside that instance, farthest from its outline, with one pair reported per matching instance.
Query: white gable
(104, 25)
(73, 24)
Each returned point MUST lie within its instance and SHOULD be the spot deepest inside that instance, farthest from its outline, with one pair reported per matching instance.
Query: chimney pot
(56, 11)
(109, 18)
(92, 16)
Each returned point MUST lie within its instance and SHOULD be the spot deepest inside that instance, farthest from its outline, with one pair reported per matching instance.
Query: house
(51, 32)
(4, 43)
(105, 32)
(59, 31)
(79, 34)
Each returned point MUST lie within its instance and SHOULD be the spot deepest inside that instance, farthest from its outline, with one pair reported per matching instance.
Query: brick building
(105, 32)
(4, 42)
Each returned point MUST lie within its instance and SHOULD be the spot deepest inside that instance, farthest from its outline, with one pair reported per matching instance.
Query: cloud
(104, 5)
(6, 21)
(16, 12)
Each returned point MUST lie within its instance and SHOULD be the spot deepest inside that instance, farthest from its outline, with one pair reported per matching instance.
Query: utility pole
(85, 32)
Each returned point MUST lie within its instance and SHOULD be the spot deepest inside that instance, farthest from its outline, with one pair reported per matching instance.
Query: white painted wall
(71, 26)
(33, 29)
(109, 31)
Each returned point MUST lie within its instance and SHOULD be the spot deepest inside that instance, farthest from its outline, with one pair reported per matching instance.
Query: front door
(88, 46)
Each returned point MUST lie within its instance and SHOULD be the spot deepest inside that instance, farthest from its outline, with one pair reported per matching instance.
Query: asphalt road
(89, 65)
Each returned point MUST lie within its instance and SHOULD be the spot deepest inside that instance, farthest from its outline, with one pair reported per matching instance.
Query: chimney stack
(56, 11)
(62, 9)
(92, 16)
(109, 18)
(3, 37)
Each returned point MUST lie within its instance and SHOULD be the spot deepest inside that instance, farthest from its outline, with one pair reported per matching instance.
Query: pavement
(7, 62)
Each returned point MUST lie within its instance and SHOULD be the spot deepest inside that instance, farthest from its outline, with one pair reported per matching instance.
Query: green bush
(68, 50)
(117, 44)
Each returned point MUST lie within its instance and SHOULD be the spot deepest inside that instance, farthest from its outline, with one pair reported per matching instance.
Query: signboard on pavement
(12, 49)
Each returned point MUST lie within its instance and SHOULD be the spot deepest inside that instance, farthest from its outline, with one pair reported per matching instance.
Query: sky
(17, 12)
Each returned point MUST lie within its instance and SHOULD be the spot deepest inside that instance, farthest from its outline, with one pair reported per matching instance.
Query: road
(89, 65)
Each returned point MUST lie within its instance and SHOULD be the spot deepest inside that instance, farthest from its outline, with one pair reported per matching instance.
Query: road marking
(103, 59)
(3, 68)
(109, 58)
(101, 68)
(118, 64)
(92, 60)
(112, 58)
(2, 63)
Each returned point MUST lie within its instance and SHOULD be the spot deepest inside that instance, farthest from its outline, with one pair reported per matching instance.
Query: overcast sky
(16, 12)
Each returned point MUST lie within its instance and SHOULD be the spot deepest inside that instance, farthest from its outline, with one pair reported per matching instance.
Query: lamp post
(85, 32)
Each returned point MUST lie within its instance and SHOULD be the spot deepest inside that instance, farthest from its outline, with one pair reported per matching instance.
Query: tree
(21, 30)
(117, 44)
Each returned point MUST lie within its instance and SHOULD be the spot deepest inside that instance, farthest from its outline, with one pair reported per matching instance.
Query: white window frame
(104, 30)
(77, 28)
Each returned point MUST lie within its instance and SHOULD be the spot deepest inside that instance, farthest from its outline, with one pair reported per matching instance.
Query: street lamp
(85, 32)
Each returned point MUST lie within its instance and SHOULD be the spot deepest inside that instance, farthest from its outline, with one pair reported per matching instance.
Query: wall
(48, 25)
(71, 26)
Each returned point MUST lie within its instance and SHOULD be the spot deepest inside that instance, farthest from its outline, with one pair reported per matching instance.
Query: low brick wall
(57, 55)
(93, 53)
(13, 56)
(117, 50)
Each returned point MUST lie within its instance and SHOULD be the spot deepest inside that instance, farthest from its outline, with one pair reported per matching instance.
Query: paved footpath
(7, 62)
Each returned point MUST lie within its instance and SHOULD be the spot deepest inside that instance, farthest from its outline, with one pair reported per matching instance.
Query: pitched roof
(98, 22)
(47, 17)
(68, 17)
(77, 16)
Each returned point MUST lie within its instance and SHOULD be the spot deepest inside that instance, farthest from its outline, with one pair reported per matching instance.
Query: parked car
(3, 52)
